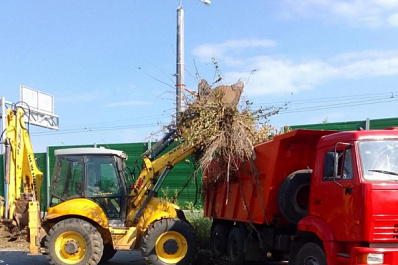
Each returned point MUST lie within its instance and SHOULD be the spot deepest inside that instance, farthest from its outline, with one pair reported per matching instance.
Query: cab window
(103, 184)
(102, 177)
(344, 170)
(67, 180)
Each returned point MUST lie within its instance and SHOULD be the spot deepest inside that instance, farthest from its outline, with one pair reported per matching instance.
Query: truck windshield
(379, 160)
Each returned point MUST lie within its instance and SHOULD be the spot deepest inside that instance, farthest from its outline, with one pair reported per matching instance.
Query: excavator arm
(22, 178)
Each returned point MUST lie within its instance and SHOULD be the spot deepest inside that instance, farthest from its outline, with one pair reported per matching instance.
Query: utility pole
(180, 61)
(180, 80)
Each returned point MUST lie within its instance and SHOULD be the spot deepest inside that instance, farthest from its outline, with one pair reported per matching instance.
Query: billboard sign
(39, 108)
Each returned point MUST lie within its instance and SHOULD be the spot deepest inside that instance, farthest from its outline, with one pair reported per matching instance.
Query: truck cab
(354, 196)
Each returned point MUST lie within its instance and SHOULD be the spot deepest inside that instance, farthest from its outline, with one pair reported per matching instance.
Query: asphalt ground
(10, 257)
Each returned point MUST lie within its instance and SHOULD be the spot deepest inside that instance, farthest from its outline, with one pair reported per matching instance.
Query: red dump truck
(313, 197)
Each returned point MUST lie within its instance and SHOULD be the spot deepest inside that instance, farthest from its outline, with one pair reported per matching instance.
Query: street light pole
(180, 60)
(180, 81)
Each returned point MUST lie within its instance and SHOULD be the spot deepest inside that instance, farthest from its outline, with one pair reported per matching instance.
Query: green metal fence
(350, 125)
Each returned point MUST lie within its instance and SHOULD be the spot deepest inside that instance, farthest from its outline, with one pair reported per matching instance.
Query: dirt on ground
(13, 241)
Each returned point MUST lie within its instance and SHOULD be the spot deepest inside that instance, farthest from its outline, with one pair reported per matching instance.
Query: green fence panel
(350, 125)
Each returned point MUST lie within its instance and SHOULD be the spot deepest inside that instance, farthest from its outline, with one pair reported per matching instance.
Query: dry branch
(222, 129)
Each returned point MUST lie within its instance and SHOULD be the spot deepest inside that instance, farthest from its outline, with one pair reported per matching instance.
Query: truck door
(337, 200)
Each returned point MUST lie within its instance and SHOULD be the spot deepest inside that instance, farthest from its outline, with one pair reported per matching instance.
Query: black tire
(66, 240)
(169, 241)
(293, 196)
(108, 253)
(311, 254)
(236, 247)
(219, 239)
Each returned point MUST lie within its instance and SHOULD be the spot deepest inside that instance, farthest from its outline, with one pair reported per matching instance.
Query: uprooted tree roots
(223, 129)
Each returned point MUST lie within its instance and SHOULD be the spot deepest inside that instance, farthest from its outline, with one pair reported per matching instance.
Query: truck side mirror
(336, 157)
(335, 164)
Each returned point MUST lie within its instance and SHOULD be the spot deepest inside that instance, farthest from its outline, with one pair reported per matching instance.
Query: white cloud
(393, 19)
(275, 75)
(372, 13)
(207, 51)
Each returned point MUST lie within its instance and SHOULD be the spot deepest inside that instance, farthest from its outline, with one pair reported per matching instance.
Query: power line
(97, 129)
(393, 94)
(332, 102)
(340, 105)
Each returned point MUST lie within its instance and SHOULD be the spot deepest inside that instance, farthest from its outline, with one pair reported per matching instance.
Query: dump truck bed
(250, 194)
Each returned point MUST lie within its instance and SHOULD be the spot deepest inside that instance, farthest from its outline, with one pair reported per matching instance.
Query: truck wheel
(219, 239)
(293, 196)
(74, 241)
(109, 252)
(236, 247)
(169, 241)
(311, 254)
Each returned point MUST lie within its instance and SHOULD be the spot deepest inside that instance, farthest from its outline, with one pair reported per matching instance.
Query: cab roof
(89, 151)
(347, 136)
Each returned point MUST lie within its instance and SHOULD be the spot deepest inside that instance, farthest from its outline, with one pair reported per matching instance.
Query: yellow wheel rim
(70, 247)
(171, 247)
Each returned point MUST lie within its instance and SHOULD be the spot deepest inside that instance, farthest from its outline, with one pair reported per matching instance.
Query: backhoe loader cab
(94, 173)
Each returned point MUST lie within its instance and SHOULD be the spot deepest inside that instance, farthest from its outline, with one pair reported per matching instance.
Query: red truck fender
(318, 227)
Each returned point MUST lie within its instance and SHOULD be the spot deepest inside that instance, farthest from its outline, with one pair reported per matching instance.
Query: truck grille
(385, 228)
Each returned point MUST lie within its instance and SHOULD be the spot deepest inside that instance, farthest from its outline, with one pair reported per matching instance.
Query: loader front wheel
(169, 241)
(74, 241)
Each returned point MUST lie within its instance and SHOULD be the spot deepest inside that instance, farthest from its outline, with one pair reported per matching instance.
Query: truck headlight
(370, 258)
(375, 258)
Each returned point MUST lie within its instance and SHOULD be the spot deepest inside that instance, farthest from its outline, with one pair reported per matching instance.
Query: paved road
(21, 258)
(121, 258)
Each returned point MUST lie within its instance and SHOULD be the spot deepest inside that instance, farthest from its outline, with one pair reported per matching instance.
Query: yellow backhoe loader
(94, 209)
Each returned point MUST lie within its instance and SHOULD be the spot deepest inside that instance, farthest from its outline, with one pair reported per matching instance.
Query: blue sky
(110, 64)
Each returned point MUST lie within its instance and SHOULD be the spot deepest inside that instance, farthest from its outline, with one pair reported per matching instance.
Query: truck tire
(219, 239)
(169, 241)
(311, 254)
(293, 196)
(236, 247)
(74, 241)
(108, 253)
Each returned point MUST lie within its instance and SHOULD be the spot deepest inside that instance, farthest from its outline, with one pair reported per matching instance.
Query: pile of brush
(222, 127)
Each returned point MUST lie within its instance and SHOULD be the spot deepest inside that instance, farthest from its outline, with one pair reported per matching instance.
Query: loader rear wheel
(169, 241)
(74, 241)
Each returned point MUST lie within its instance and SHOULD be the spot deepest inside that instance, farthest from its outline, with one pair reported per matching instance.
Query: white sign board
(37, 100)
(39, 109)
